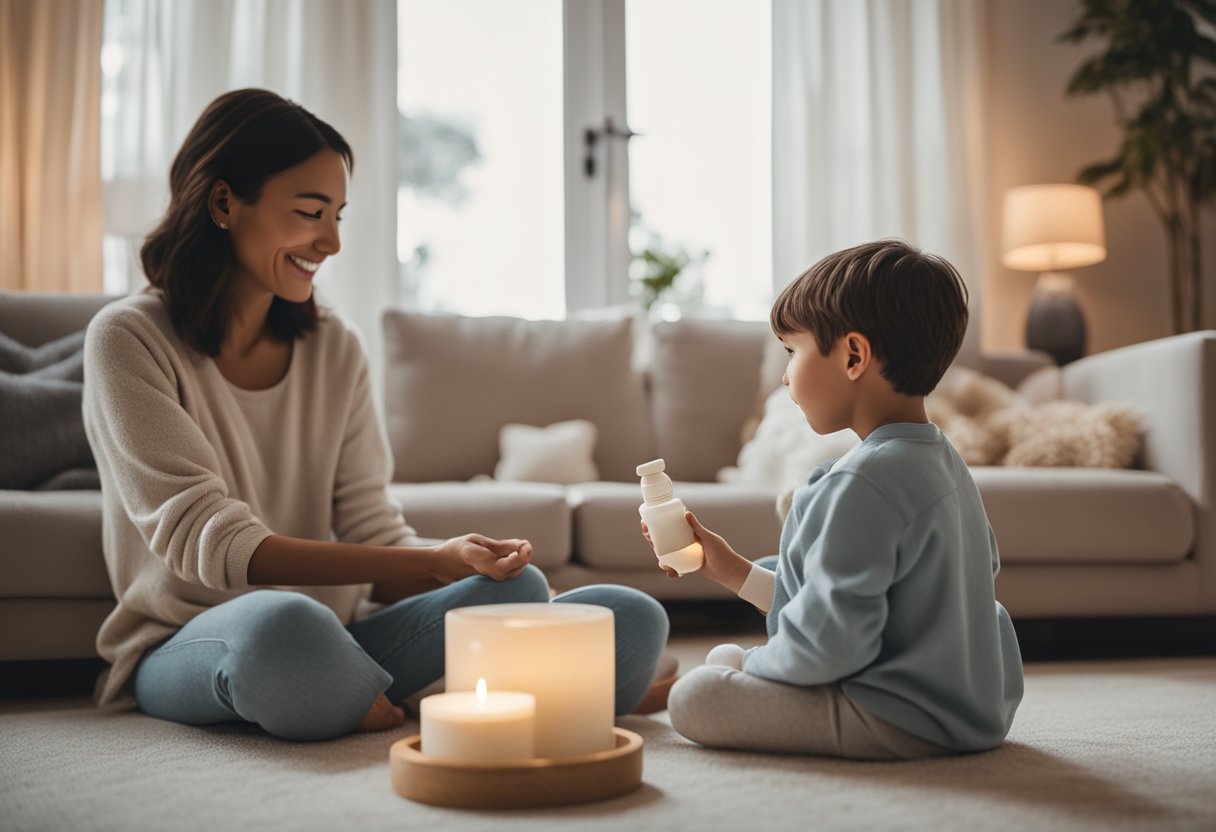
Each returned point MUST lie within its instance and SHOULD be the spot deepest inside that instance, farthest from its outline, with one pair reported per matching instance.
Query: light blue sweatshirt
(884, 585)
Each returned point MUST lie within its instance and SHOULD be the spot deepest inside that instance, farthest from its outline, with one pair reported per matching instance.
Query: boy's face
(820, 384)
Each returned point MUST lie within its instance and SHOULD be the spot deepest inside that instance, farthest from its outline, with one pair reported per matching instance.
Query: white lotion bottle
(672, 537)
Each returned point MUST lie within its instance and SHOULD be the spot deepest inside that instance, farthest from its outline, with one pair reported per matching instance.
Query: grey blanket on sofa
(42, 439)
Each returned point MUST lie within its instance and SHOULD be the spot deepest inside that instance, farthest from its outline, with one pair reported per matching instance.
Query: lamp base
(1055, 324)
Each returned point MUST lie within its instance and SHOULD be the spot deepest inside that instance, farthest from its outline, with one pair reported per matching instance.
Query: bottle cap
(655, 466)
(656, 486)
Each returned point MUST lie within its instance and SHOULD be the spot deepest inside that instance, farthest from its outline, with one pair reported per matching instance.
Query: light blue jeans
(284, 661)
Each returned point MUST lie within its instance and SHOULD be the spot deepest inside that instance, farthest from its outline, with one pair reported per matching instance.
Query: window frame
(598, 206)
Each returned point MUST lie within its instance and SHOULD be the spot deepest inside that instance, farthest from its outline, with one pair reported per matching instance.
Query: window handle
(592, 136)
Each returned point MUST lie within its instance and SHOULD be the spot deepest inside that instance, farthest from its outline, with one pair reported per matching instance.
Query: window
(497, 214)
(700, 180)
(480, 223)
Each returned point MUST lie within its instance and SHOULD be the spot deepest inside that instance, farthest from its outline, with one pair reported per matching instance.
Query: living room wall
(1037, 135)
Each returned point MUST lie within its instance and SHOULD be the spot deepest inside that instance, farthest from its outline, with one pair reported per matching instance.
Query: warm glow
(481, 693)
(1052, 227)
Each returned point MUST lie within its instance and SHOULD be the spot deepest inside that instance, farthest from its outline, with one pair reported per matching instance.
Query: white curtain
(50, 191)
(877, 131)
(165, 60)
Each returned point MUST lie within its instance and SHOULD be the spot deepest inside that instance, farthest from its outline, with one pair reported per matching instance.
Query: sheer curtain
(877, 131)
(165, 60)
(50, 195)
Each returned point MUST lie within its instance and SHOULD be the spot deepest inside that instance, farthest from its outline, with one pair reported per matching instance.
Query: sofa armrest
(1173, 382)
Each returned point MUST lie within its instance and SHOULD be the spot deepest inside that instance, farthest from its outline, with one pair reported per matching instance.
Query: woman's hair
(911, 305)
(244, 137)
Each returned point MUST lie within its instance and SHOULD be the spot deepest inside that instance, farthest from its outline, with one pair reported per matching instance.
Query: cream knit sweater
(196, 473)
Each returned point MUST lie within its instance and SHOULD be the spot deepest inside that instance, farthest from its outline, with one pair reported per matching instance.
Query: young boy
(885, 637)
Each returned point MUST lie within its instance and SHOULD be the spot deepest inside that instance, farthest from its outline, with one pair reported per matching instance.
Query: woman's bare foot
(381, 716)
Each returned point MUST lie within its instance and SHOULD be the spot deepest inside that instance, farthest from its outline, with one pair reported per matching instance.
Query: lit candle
(563, 654)
(478, 726)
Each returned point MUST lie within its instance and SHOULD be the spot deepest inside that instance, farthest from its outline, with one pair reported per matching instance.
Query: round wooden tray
(524, 784)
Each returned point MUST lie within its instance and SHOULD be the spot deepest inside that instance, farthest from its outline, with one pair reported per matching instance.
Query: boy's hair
(912, 307)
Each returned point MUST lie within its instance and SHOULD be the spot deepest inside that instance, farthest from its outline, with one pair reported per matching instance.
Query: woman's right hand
(476, 554)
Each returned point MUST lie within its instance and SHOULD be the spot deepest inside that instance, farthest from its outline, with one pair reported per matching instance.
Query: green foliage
(1156, 65)
(660, 270)
(1155, 53)
(433, 154)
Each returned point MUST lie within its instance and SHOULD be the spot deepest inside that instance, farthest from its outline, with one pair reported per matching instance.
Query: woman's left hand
(476, 554)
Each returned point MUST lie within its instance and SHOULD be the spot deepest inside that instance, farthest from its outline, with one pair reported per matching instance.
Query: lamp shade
(1050, 227)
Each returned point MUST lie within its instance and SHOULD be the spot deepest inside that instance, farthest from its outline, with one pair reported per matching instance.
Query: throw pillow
(1045, 384)
(986, 421)
(61, 358)
(560, 453)
(785, 450)
(1072, 434)
(41, 427)
(772, 368)
(963, 404)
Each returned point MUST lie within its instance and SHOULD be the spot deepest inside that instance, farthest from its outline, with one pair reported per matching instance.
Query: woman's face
(280, 241)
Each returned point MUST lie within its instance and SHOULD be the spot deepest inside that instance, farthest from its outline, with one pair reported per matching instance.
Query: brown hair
(912, 307)
(244, 137)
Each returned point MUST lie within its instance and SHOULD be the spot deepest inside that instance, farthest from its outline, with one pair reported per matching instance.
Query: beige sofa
(1073, 542)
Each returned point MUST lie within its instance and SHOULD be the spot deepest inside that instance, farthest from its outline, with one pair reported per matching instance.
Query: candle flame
(481, 691)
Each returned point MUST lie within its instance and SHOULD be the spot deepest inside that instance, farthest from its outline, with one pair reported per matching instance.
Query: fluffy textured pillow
(561, 453)
(1071, 434)
(772, 368)
(963, 405)
(785, 450)
(988, 423)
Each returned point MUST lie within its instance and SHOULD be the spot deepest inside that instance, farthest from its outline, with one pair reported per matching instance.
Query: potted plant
(1156, 66)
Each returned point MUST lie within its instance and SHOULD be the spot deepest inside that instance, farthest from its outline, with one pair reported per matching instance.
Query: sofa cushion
(534, 511)
(608, 532)
(704, 377)
(451, 382)
(1086, 515)
(50, 545)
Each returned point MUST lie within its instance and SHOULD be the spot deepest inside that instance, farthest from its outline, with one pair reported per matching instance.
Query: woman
(234, 430)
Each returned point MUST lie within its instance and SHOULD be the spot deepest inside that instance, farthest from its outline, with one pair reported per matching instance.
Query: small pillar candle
(478, 726)
(563, 654)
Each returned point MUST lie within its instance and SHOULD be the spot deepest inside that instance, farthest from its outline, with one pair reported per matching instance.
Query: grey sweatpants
(719, 705)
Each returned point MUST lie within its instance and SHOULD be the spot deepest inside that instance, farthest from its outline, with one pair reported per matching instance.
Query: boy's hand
(723, 565)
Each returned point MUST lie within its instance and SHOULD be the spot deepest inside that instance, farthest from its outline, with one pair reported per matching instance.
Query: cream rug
(1102, 746)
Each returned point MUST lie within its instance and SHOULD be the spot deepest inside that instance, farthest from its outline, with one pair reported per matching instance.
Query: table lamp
(1048, 228)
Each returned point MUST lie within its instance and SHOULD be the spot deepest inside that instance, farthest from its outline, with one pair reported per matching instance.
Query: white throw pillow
(785, 451)
(560, 453)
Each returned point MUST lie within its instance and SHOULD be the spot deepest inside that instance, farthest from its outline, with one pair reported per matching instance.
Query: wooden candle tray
(517, 785)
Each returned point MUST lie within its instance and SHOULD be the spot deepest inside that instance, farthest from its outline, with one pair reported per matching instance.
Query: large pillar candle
(563, 654)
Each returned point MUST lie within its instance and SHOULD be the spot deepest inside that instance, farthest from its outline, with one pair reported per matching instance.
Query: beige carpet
(1103, 746)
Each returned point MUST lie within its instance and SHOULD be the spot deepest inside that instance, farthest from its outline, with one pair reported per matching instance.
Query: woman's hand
(475, 554)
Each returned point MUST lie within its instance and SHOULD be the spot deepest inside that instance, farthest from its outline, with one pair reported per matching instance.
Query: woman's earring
(224, 226)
